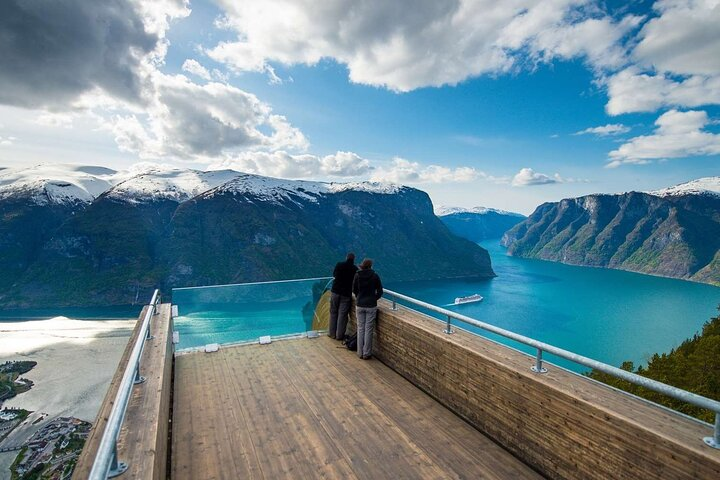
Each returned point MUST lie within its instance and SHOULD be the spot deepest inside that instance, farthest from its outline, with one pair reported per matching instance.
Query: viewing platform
(308, 409)
(430, 404)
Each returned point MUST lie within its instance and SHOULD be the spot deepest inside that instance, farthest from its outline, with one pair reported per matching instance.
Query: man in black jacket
(368, 289)
(341, 296)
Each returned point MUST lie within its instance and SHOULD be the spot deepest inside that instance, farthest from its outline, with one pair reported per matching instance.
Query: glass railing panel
(245, 312)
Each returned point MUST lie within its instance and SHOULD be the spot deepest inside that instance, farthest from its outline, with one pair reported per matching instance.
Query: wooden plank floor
(307, 409)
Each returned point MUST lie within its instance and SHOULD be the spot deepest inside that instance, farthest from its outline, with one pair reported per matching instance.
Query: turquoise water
(608, 315)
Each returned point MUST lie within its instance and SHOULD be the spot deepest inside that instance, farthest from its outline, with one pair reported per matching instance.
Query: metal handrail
(106, 463)
(674, 392)
(253, 283)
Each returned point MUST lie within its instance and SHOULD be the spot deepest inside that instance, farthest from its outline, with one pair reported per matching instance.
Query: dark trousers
(339, 309)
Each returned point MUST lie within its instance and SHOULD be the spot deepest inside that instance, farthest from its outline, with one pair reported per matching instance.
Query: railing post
(138, 378)
(448, 328)
(394, 303)
(116, 468)
(538, 367)
(714, 441)
(155, 311)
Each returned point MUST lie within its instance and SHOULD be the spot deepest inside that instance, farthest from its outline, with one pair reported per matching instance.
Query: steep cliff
(673, 232)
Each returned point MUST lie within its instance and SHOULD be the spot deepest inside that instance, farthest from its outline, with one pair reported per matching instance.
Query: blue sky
(472, 107)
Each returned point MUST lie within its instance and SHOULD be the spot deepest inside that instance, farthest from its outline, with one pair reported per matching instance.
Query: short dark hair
(350, 256)
(367, 263)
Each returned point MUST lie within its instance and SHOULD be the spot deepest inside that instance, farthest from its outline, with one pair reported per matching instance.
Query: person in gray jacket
(368, 289)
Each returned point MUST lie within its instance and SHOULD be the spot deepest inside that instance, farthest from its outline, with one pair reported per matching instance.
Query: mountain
(479, 223)
(81, 236)
(673, 232)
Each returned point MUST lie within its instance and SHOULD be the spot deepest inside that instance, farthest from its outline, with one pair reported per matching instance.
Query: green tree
(693, 366)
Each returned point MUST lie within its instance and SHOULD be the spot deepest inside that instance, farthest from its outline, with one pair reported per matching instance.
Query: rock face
(673, 232)
(174, 228)
(479, 223)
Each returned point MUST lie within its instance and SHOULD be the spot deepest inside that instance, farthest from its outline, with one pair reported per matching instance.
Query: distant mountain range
(76, 235)
(478, 223)
(674, 232)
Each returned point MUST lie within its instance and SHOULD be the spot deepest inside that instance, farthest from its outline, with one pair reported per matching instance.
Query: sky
(479, 103)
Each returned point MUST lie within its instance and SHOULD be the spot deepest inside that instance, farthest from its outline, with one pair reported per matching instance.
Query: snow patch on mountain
(61, 183)
(169, 184)
(270, 189)
(369, 187)
(276, 189)
(701, 186)
(58, 183)
(442, 211)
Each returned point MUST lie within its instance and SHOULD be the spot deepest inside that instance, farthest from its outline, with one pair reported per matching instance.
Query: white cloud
(404, 45)
(678, 134)
(684, 39)
(598, 39)
(53, 52)
(630, 91)
(105, 67)
(528, 177)
(405, 171)
(677, 60)
(344, 164)
(6, 141)
(605, 130)
(190, 121)
(55, 119)
(193, 67)
(285, 165)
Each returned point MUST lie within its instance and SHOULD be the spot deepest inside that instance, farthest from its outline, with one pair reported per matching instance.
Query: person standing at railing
(368, 289)
(341, 296)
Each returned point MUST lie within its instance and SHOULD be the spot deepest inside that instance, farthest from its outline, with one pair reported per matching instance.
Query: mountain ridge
(478, 223)
(83, 184)
(151, 231)
(674, 235)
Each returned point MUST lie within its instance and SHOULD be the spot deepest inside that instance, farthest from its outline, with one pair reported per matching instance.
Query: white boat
(468, 299)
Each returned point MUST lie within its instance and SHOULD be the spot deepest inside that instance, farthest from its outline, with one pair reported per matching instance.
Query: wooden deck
(307, 409)
(143, 437)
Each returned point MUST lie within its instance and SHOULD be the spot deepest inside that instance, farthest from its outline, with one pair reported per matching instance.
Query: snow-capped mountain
(59, 183)
(72, 184)
(478, 223)
(76, 235)
(701, 186)
(443, 210)
(276, 189)
(174, 184)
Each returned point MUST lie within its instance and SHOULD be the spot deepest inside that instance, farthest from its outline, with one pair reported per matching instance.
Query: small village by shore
(52, 451)
(11, 384)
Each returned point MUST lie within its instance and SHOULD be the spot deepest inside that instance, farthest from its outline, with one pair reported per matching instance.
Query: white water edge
(76, 360)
